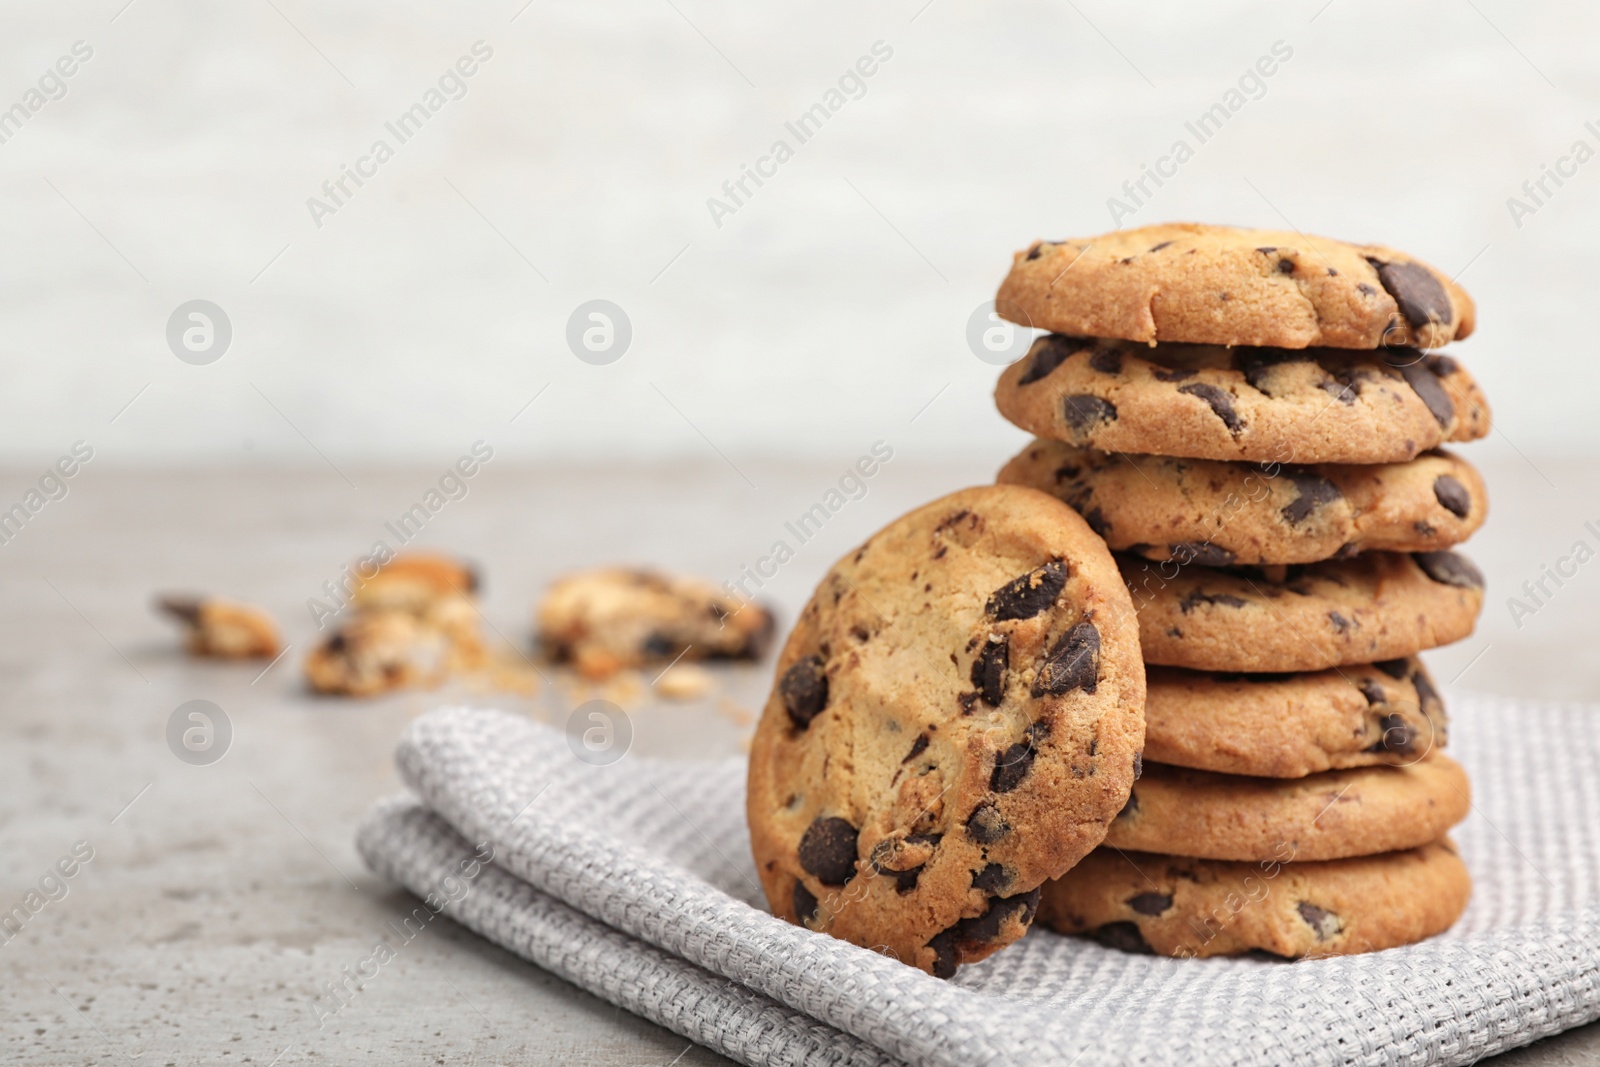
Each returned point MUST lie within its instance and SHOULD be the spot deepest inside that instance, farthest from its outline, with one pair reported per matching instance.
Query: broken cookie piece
(609, 619)
(440, 592)
(412, 581)
(223, 629)
(377, 652)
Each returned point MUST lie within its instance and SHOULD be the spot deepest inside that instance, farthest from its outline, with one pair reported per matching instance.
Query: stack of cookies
(1251, 421)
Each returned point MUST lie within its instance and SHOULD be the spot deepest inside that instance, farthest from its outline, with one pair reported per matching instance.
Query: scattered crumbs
(727, 708)
(684, 681)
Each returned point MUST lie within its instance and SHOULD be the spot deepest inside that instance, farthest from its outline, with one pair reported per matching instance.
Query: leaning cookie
(1292, 725)
(956, 718)
(1218, 514)
(1357, 812)
(1259, 405)
(1177, 906)
(223, 629)
(605, 620)
(1229, 285)
(1302, 617)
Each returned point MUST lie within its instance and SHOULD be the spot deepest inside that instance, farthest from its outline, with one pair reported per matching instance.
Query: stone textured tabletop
(219, 899)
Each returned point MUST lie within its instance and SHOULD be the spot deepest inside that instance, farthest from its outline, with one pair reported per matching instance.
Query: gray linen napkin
(635, 881)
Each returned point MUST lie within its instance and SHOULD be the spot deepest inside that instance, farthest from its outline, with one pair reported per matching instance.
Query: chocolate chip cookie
(1360, 811)
(223, 629)
(1292, 725)
(413, 581)
(377, 652)
(1303, 616)
(1217, 513)
(1175, 906)
(956, 718)
(1302, 406)
(603, 621)
(1227, 285)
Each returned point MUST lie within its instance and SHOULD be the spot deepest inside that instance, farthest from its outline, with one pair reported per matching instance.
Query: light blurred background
(825, 313)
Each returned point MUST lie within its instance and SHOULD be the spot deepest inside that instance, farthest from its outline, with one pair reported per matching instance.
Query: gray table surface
(220, 898)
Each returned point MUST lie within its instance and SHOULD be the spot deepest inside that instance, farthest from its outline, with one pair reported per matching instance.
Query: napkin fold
(635, 882)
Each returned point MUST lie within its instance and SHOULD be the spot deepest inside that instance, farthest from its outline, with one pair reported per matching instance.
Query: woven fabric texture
(635, 881)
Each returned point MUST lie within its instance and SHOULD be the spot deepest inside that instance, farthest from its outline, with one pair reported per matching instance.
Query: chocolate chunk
(1449, 568)
(1159, 247)
(992, 879)
(1311, 493)
(986, 825)
(946, 956)
(658, 645)
(1325, 923)
(1372, 691)
(828, 850)
(989, 670)
(1424, 383)
(805, 903)
(1150, 903)
(805, 691)
(1029, 595)
(1123, 936)
(1421, 297)
(1048, 354)
(1255, 363)
(1339, 623)
(1107, 360)
(986, 927)
(1452, 496)
(918, 747)
(1395, 668)
(980, 930)
(1443, 366)
(1033, 253)
(1343, 392)
(1074, 662)
(1132, 806)
(1012, 766)
(1176, 374)
(1285, 266)
(1082, 411)
(1427, 696)
(1194, 598)
(1221, 402)
(1097, 521)
(1202, 552)
(1398, 737)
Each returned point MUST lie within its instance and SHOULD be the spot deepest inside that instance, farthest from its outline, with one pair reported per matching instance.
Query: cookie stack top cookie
(1227, 285)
